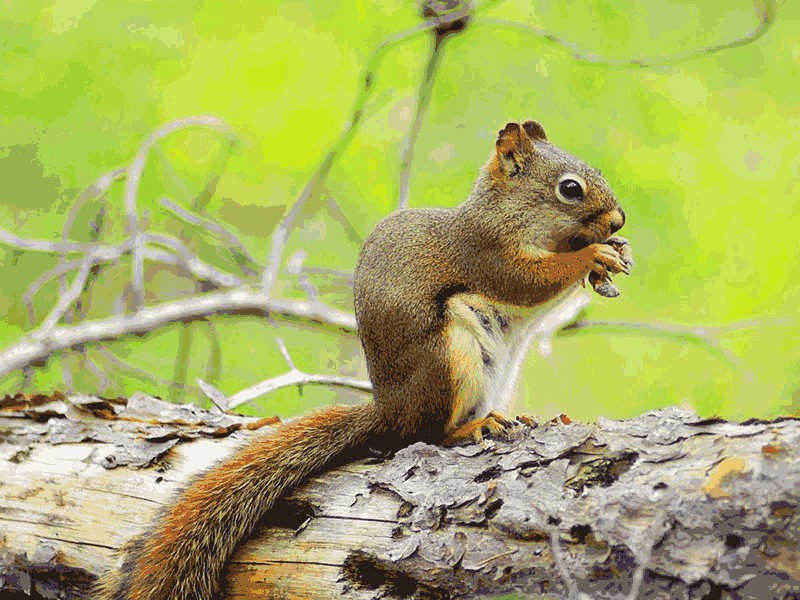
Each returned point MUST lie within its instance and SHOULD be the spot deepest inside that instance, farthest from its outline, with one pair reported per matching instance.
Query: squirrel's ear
(510, 146)
(535, 130)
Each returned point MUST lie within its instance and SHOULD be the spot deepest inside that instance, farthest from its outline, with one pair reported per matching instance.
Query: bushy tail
(183, 556)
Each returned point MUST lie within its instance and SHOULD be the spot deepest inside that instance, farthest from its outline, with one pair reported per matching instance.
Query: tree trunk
(664, 505)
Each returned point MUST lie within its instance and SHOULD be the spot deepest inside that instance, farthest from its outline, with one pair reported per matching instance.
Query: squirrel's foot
(494, 424)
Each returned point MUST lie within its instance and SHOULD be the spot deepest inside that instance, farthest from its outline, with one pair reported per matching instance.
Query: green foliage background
(703, 156)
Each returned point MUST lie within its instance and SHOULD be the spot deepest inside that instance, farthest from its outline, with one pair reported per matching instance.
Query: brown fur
(183, 556)
(437, 292)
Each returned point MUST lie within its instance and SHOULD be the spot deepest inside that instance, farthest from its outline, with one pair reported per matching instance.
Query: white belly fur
(488, 341)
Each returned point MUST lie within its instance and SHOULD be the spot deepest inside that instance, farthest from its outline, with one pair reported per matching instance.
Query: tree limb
(665, 505)
(240, 300)
(765, 11)
(134, 176)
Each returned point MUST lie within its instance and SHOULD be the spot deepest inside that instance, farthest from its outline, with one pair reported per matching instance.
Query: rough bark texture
(709, 507)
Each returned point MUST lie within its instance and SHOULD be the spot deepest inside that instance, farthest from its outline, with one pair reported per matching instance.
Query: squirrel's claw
(623, 247)
(493, 424)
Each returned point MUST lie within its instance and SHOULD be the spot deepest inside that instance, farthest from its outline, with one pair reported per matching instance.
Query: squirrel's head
(549, 197)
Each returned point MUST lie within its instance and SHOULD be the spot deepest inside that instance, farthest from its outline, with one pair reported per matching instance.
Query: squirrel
(441, 295)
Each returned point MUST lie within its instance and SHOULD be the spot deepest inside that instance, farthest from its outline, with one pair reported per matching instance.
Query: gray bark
(693, 508)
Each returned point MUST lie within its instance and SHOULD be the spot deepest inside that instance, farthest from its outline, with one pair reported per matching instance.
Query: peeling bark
(702, 508)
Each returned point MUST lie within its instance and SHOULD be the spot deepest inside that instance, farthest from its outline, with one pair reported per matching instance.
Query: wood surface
(700, 508)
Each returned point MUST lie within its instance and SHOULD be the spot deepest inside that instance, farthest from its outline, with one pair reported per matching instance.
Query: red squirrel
(441, 295)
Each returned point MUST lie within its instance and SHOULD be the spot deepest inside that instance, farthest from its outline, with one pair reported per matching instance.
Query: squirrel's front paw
(607, 260)
(623, 247)
(612, 256)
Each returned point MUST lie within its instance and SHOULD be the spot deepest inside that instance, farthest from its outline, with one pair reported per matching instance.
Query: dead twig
(541, 329)
(293, 377)
(336, 212)
(295, 267)
(240, 253)
(423, 100)
(66, 300)
(191, 263)
(315, 183)
(217, 398)
(48, 247)
(96, 370)
(102, 254)
(134, 176)
(105, 254)
(707, 336)
(765, 11)
(135, 371)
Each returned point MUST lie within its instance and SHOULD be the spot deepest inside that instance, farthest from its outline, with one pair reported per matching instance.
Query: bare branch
(216, 397)
(423, 100)
(93, 190)
(134, 177)
(281, 233)
(95, 369)
(27, 377)
(58, 271)
(65, 301)
(702, 335)
(765, 12)
(240, 300)
(293, 377)
(79, 309)
(235, 245)
(335, 211)
(296, 377)
(35, 245)
(98, 189)
(101, 254)
(295, 267)
(66, 374)
(541, 329)
(286, 356)
(347, 277)
(191, 263)
(124, 365)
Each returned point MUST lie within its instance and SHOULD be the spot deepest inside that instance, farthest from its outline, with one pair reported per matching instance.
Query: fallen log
(664, 505)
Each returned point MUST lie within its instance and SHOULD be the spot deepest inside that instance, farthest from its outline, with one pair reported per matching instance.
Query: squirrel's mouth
(597, 228)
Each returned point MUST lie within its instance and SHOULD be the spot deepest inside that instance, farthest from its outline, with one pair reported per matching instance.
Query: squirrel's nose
(617, 220)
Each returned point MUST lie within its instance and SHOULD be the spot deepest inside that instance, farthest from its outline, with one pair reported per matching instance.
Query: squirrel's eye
(570, 190)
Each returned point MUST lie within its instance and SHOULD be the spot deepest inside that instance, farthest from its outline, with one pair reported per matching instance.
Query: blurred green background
(703, 155)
